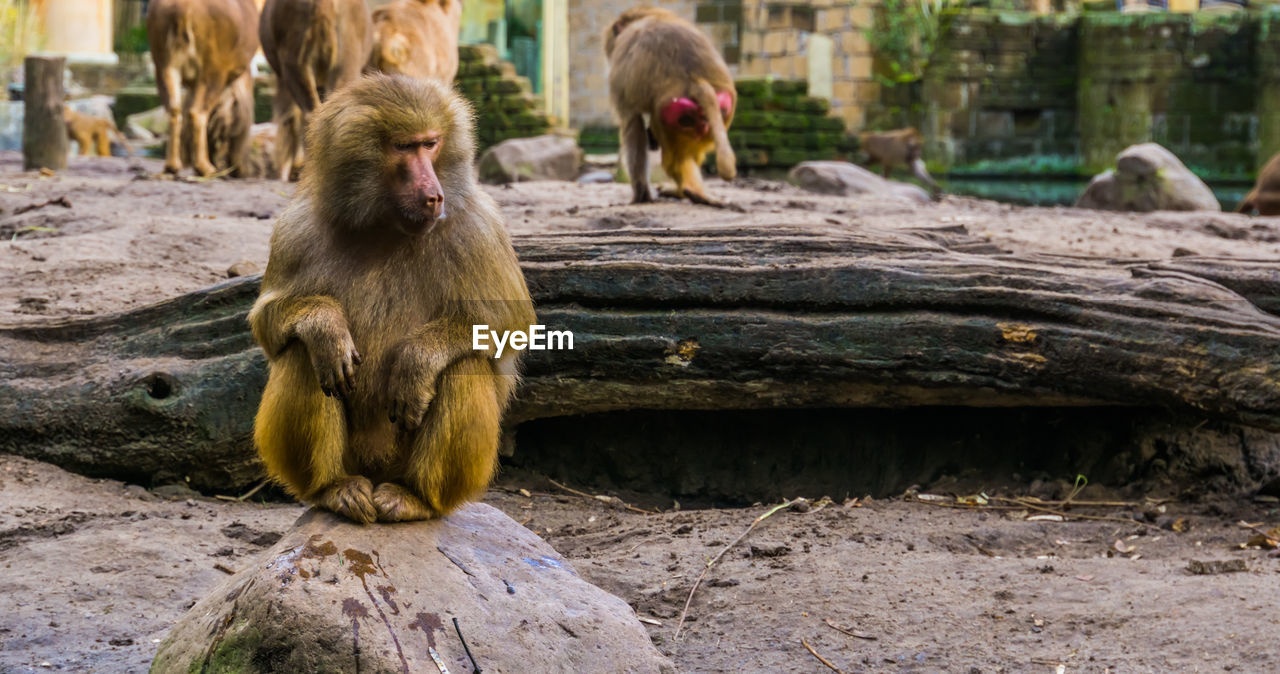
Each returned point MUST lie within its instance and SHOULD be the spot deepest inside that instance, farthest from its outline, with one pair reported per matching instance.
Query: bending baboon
(1265, 195)
(200, 48)
(377, 407)
(93, 134)
(314, 47)
(418, 38)
(663, 67)
(900, 146)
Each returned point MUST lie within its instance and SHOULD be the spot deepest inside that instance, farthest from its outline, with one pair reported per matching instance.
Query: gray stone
(845, 179)
(334, 596)
(1148, 178)
(549, 157)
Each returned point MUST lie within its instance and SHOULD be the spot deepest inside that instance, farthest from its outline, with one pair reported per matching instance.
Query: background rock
(547, 157)
(336, 596)
(846, 179)
(1148, 178)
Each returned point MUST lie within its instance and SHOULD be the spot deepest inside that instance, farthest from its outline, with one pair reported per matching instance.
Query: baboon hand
(334, 357)
(412, 385)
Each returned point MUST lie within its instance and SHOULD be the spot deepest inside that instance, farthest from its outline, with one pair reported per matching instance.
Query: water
(1058, 192)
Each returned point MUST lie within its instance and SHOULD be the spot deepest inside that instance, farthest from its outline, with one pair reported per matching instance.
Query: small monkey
(663, 68)
(900, 146)
(1265, 195)
(376, 406)
(93, 134)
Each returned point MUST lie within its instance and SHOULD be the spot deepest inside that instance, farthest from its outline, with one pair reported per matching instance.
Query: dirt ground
(121, 237)
(95, 572)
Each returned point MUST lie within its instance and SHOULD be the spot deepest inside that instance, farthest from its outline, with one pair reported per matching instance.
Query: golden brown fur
(1265, 195)
(93, 134)
(655, 57)
(418, 38)
(200, 49)
(376, 308)
(314, 47)
(900, 146)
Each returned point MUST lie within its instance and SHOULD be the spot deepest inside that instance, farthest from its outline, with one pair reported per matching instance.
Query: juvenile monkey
(376, 406)
(1265, 195)
(93, 134)
(314, 47)
(662, 67)
(900, 146)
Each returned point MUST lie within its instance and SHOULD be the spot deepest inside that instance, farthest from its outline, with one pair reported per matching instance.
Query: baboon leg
(635, 152)
(455, 451)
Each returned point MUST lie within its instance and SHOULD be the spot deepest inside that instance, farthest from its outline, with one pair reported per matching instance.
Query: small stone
(243, 268)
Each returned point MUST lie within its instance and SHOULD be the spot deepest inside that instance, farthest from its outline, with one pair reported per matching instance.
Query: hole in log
(160, 385)
(737, 457)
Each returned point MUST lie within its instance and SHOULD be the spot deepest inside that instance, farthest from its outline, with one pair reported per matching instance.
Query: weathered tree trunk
(44, 130)
(775, 317)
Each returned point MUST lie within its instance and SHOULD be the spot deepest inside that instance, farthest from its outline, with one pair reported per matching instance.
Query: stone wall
(1010, 86)
(1187, 82)
(504, 103)
(999, 85)
(823, 41)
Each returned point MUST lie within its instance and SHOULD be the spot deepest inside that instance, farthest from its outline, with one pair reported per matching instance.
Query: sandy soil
(128, 237)
(96, 571)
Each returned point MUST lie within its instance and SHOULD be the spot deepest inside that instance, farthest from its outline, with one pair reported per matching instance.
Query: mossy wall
(1008, 85)
(1186, 81)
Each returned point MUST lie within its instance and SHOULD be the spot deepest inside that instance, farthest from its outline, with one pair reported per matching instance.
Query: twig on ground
(475, 669)
(60, 201)
(602, 498)
(242, 497)
(820, 658)
(689, 600)
(852, 633)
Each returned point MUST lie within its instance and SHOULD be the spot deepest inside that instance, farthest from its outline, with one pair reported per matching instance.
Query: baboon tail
(705, 96)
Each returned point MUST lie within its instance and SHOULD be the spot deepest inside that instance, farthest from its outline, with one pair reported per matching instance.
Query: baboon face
(416, 189)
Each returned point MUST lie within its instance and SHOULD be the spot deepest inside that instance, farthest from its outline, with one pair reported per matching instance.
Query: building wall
(776, 40)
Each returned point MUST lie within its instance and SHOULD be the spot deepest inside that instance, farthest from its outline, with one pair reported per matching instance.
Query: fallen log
(709, 318)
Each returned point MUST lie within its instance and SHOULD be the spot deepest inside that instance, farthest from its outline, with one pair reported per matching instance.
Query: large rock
(332, 596)
(1148, 178)
(845, 179)
(547, 157)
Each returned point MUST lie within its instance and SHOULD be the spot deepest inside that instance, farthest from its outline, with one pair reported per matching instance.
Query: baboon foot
(351, 497)
(397, 504)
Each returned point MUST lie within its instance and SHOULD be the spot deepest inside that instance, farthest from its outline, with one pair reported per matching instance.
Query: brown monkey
(418, 38)
(93, 134)
(200, 48)
(900, 146)
(663, 67)
(376, 406)
(1265, 195)
(314, 47)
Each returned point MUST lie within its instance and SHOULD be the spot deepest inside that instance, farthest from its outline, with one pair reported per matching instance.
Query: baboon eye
(406, 147)
(430, 143)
